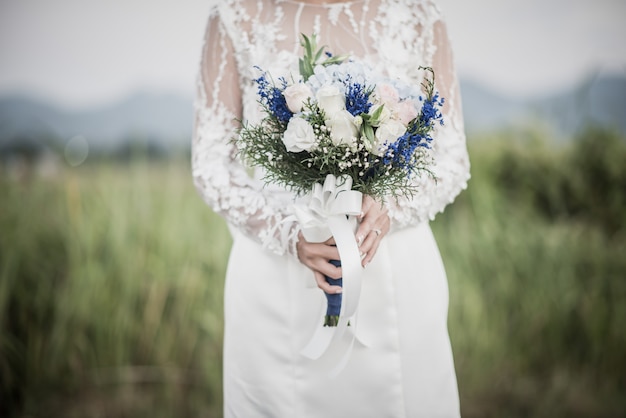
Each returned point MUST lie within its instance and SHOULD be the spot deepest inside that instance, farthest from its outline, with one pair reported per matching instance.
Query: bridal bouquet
(340, 126)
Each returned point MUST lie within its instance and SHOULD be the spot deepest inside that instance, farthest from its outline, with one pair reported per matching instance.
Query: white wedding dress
(405, 368)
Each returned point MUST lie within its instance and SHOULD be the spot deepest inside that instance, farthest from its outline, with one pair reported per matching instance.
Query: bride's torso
(393, 36)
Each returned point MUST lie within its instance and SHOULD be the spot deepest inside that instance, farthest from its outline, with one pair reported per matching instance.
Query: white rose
(387, 133)
(330, 100)
(343, 130)
(299, 135)
(296, 95)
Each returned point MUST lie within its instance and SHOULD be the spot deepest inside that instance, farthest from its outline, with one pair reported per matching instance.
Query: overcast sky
(85, 52)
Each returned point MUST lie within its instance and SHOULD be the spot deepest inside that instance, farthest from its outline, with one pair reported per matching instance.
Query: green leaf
(369, 132)
(378, 112)
(375, 117)
(301, 67)
(318, 55)
(307, 46)
(335, 59)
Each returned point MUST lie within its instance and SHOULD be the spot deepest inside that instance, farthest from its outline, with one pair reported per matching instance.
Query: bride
(404, 368)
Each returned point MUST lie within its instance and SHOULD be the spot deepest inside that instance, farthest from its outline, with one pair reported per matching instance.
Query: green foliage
(111, 283)
(312, 56)
(537, 294)
(585, 180)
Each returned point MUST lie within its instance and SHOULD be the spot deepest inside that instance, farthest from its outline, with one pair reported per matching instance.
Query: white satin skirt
(403, 367)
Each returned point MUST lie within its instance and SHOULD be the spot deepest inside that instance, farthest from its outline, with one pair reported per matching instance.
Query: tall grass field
(111, 282)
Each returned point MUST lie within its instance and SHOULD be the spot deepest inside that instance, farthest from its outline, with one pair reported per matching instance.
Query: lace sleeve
(220, 178)
(449, 148)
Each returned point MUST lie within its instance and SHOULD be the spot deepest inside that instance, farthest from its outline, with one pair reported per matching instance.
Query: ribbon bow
(333, 199)
(325, 213)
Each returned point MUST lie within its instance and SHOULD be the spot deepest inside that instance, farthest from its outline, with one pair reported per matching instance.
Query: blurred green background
(111, 280)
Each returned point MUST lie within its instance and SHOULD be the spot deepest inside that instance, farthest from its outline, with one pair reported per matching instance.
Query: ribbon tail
(320, 340)
(343, 361)
(325, 338)
(350, 263)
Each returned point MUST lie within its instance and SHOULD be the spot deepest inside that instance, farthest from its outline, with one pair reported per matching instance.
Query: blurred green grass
(111, 281)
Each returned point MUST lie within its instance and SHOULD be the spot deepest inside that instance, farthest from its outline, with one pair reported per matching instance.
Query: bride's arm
(452, 168)
(220, 178)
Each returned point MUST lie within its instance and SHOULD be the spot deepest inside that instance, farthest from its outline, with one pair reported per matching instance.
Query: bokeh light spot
(76, 150)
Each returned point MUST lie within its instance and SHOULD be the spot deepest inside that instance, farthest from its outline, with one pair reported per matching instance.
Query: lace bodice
(394, 36)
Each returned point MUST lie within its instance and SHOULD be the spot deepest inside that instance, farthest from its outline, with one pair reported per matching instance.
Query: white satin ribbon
(329, 211)
(334, 198)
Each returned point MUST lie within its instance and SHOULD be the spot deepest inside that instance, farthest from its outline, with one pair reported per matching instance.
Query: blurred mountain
(484, 109)
(165, 120)
(598, 100)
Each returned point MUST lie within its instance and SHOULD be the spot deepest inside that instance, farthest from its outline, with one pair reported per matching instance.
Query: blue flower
(400, 153)
(357, 98)
(431, 112)
(272, 97)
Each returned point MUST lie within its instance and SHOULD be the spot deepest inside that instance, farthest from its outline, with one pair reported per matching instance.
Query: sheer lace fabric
(394, 36)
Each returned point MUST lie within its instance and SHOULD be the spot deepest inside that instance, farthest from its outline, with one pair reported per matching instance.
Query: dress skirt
(401, 367)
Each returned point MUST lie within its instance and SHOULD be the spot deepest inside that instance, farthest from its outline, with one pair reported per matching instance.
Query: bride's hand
(317, 256)
(374, 226)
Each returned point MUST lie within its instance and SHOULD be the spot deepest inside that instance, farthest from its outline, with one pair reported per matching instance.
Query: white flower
(343, 130)
(299, 135)
(331, 100)
(296, 95)
(387, 133)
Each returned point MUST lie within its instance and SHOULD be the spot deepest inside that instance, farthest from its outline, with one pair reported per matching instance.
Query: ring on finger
(378, 231)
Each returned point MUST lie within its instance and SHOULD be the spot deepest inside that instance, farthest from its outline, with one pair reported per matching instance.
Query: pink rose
(406, 111)
(387, 94)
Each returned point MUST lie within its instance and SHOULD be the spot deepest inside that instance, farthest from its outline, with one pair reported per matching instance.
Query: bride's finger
(324, 285)
(370, 245)
(328, 252)
(324, 267)
(366, 205)
(374, 232)
(373, 212)
(369, 255)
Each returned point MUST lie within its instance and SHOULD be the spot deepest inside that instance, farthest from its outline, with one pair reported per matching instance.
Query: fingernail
(359, 240)
(339, 291)
(366, 264)
(362, 255)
